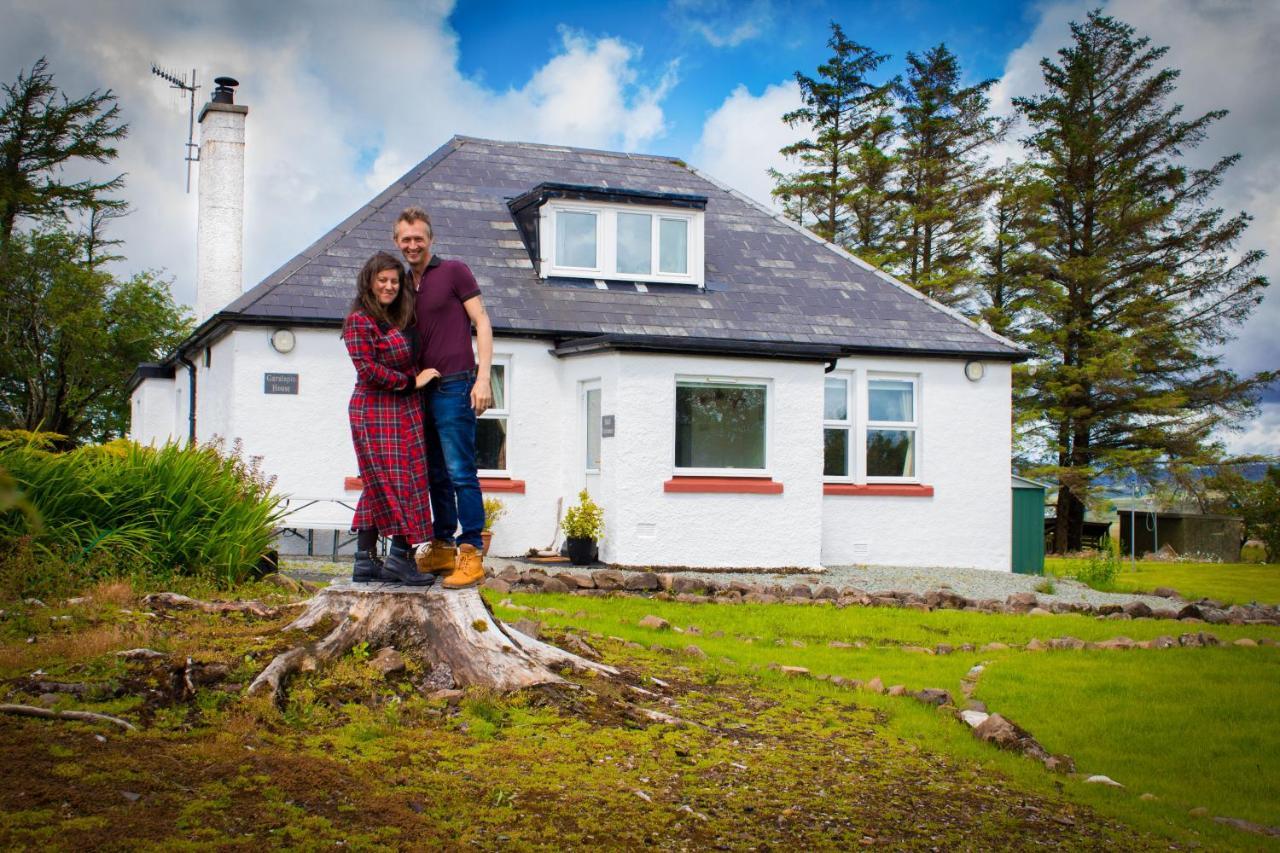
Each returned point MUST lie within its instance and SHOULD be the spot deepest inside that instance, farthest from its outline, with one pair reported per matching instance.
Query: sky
(344, 98)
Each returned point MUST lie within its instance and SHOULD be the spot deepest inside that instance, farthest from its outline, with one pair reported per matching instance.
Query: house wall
(152, 412)
(648, 526)
(964, 446)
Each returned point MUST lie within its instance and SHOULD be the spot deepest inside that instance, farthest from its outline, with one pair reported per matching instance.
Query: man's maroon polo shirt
(443, 327)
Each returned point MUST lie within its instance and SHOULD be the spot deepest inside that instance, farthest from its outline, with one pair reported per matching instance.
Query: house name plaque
(606, 426)
(280, 383)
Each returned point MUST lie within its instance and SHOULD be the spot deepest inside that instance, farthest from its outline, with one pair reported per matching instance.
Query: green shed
(1028, 526)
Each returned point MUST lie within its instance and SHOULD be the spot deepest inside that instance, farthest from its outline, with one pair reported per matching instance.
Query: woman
(386, 425)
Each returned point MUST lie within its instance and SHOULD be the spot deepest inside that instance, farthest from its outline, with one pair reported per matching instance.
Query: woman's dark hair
(400, 312)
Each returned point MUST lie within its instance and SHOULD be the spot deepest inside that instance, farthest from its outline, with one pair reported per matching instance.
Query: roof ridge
(393, 190)
(845, 253)
(551, 146)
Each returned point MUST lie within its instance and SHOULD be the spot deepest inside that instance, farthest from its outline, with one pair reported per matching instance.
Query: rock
(994, 647)
(838, 644)
(1108, 609)
(875, 685)
(609, 579)
(826, 593)
(974, 718)
(1245, 641)
(387, 661)
(1025, 600)
(1163, 642)
(1138, 610)
(917, 650)
(1148, 797)
(1060, 764)
(131, 796)
(529, 627)
(450, 695)
(897, 690)
(799, 590)
(1248, 826)
(1198, 639)
(934, 696)
(684, 583)
(580, 647)
(694, 651)
(1191, 611)
(943, 649)
(581, 580)
(1099, 779)
(1268, 641)
(761, 598)
(657, 623)
(48, 700)
(1165, 592)
(1060, 643)
(691, 598)
(1199, 811)
(140, 654)
(1164, 613)
(642, 582)
(1039, 611)
(794, 671)
(1034, 645)
(498, 585)
(34, 602)
(977, 705)
(1121, 643)
(1005, 734)
(509, 573)
(551, 584)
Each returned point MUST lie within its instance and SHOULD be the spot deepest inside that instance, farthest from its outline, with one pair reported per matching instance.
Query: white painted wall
(648, 526)
(152, 412)
(220, 232)
(964, 447)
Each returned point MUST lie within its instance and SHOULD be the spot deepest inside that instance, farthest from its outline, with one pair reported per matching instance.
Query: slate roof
(767, 281)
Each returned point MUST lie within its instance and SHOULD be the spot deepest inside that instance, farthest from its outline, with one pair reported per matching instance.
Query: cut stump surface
(452, 631)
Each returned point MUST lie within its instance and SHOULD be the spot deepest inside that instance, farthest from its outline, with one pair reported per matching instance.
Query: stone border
(702, 590)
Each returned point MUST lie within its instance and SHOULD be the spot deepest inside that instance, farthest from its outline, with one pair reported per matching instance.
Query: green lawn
(1230, 583)
(1194, 727)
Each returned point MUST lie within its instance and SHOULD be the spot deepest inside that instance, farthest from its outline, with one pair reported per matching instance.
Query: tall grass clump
(1101, 568)
(129, 509)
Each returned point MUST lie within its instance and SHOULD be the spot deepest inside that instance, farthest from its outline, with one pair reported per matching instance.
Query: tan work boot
(470, 569)
(439, 557)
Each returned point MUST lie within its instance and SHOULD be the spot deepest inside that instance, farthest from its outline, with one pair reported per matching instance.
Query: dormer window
(617, 235)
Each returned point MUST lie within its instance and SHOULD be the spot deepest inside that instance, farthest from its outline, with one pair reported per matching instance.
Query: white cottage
(733, 390)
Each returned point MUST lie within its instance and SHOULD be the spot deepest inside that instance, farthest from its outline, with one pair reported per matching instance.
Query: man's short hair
(411, 215)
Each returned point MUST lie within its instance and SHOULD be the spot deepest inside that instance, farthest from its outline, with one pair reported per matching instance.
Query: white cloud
(342, 101)
(1261, 435)
(724, 23)
(741, 139)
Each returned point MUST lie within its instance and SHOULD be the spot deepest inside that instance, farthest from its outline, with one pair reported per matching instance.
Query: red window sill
(501, 484)
(894, 490)
(723, 485)
(487, 484)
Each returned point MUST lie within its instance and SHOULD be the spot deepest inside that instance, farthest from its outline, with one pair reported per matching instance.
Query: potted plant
(582, 525)
(494, 509)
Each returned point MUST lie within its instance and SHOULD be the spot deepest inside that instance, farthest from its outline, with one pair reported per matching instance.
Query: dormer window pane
(635, 243)
(673, 246)
(576, 239)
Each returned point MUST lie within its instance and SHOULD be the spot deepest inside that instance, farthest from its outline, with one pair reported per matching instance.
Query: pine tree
(41, 133)
(943, 175)
(839, 189)
(1142, 280)
(1009, 254)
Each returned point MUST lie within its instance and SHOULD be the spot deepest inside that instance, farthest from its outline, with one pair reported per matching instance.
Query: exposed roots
(173, 601)
(451, 630)
(50, 714)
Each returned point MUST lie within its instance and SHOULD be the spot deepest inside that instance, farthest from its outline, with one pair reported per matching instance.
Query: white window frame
(913, 425)
(753, 381)
(607, 242)
(504, 414)
(587, 387)
(848, 425)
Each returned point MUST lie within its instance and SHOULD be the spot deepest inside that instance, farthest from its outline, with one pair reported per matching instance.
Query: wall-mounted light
(974, 370)
(283, 341)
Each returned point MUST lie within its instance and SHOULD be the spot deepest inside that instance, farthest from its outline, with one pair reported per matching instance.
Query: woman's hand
(426, 376)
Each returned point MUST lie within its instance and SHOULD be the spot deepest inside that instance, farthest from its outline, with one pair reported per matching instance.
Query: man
(448, 305)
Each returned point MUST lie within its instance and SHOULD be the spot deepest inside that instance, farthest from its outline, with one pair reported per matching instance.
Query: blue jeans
(450, 425)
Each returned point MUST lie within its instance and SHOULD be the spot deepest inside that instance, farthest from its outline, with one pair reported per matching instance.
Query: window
(891, 427)
(623, 241)
(491, 427)
(836, 425)
(721, 426)
(591, 408)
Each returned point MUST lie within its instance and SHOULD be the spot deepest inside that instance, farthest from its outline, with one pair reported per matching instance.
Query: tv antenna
(181, 84)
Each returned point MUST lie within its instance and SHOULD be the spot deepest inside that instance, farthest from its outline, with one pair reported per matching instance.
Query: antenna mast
(181, 84)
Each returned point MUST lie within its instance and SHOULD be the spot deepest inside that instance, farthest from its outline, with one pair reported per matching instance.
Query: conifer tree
(943, 177)
(1142, 281)
(1010, 258)
(840, 189)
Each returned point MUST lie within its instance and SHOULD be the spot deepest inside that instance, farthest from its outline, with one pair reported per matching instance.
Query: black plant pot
(581, 552)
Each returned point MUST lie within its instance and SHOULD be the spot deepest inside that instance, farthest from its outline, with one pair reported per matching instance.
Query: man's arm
(481, 392)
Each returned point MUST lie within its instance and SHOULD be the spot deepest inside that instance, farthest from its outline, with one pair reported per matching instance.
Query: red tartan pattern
(386, 428)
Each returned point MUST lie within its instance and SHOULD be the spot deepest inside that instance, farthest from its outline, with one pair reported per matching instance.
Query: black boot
(368, 568)
(400, 568)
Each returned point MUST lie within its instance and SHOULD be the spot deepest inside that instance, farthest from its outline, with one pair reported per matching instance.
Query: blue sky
(759, 44)
(344, 98)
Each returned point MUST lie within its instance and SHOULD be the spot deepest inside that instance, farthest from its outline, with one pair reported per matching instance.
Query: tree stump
(453, 631)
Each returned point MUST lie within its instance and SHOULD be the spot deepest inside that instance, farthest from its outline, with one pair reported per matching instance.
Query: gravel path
(971, 583)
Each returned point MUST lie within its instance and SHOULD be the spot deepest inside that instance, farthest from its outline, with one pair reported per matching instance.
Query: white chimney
(220, 230)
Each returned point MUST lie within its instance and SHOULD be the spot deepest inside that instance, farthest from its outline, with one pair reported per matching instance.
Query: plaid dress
(386, 428)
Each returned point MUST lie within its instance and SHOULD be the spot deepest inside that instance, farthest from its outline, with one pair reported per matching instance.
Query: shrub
(141, 510)
(1101, 567)
(494, 509)
(584, 520)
